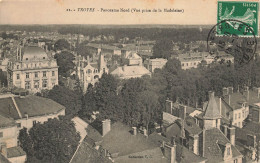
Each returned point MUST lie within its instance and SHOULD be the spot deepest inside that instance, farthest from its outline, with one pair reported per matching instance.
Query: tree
(66, 97)
(64, 61)
(163, 48)
(53, 141)
(61, 44)
(83, 50)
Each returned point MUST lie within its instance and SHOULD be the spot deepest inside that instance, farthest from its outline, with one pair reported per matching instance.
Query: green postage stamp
(238, 18)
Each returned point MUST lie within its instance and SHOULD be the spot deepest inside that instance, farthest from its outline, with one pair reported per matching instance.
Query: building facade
(33, 69)
(89, 72)
(152, 64)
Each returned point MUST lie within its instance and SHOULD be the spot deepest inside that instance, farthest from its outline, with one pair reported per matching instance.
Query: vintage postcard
(140, 81)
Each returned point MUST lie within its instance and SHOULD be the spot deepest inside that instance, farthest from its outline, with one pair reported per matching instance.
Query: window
(34, 122)
(53, 73)
(17, 66)
(36, 74)
(27, 75)
(1, 134)
(17, 76)
(43, 57)
(89, 71)
(19, 125)
(26, 65)
(104, 70)
(35, 65)
(239, 115)
(195, 63)
(182, 64)
(44, 73)
(235, 116)
(26, 59)
(44, 83)
(27, 85)
(235, 161)
(228, 151)
(187, 64)
(36, 84)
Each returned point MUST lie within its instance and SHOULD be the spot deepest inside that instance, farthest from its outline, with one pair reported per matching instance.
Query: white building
(33, 69)
(152, 64)
(89, 72)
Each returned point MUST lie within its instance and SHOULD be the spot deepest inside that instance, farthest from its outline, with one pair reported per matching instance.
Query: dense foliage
(53, 141)
(64, 61)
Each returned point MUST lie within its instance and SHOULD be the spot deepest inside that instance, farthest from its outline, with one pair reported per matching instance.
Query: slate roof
(31, 52)
(6, 122)
(190, 126)
(32, 105)
(36, 106)
(3, 159)
(120, 140)
(212, 109)
(86, 154)
(183, 154)
(15, 152)
(237, 98)
(253, 127)
(212, 149)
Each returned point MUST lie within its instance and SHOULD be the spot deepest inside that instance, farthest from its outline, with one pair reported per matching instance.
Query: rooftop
(31, 105)
(212, 150)
(130, 71)
(15, 152)
(120, 140)
(3, 159)
(32, 52)
(212, 110)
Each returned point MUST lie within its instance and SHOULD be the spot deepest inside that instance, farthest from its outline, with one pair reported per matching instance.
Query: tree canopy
(61, 44)
(53, 141)
(64, 61)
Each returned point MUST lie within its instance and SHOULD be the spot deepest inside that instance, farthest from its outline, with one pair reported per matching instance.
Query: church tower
(102, 64)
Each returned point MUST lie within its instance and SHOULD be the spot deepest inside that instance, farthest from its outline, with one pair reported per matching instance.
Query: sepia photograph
(140, 81)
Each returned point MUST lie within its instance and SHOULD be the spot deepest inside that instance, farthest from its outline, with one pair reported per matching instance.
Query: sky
(54, 12)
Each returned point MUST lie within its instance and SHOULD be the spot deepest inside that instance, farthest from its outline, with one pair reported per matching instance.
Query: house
(152, 64)
(127, 72)
(89, 71)
(205, 135)
(248, 137)
(133, 59)
(193, 59)
(17, 112)
(30, 109)
(33, 69)
(119, 143)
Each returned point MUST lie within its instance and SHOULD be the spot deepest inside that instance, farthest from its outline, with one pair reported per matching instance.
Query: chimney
(170, 151)
(106, 126)
(145, 132)
(168, 106)
(225, 130)
(182, 111)
(211, 95)
(196, 144)
(3, 150)
(26, 115)
(230, 90)
(225, 91)
(134, 131)
(231, 134)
